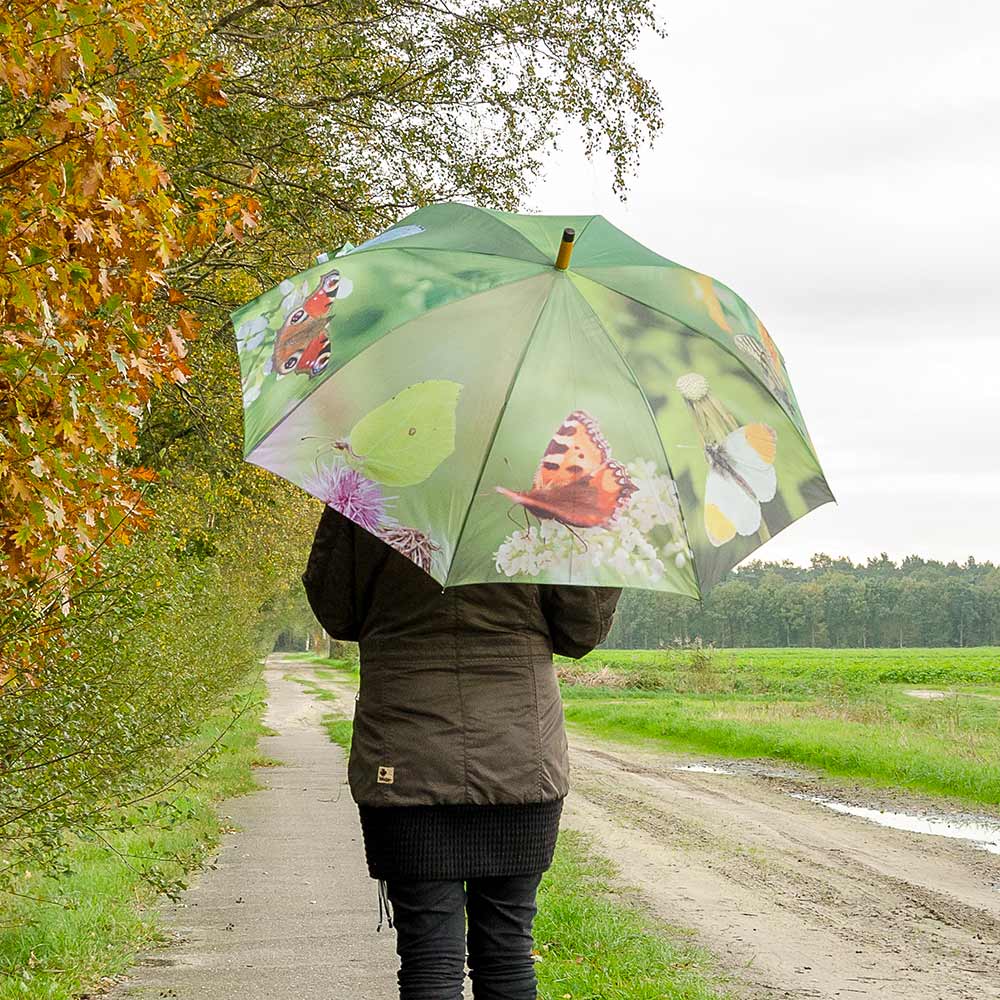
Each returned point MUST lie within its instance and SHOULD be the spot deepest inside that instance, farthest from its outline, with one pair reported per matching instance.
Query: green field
(848, 712)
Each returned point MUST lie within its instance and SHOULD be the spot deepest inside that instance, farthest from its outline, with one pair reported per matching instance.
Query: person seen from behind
(459, 760)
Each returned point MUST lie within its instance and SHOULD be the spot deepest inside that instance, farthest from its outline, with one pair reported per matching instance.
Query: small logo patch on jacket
(385, 775)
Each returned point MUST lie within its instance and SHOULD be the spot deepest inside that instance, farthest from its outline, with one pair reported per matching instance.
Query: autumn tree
(94, 96)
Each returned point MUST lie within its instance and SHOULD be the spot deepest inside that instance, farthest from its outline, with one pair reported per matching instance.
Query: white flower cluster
(249, 337)
(623, 545)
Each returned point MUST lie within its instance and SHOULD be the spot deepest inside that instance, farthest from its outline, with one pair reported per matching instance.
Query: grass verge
(888, 755)
(67, 935)
(593, 944)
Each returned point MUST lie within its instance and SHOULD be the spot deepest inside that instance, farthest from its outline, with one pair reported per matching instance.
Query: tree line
(831, 602)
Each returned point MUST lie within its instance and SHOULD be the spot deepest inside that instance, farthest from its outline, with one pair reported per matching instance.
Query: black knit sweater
(459, 841)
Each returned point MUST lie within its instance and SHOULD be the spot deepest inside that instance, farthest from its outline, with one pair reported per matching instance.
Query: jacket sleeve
(579, 618)
(329, 576)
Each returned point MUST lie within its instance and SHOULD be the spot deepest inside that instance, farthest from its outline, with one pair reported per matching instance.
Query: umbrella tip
(565, 249)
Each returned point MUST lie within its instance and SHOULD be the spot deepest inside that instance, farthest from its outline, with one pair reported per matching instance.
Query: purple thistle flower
(354, 495)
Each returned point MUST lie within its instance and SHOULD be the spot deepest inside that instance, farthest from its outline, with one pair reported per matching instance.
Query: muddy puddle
(703, 769)
(928, 694)
(978, 831)
(740, 768)
(981, 832)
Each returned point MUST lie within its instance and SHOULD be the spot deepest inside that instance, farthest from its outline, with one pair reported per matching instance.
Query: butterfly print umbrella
(529, 398)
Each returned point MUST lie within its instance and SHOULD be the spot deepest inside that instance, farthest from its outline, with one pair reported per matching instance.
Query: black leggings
(429, 917)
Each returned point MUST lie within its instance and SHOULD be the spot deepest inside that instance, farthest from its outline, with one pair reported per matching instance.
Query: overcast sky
(838, 165)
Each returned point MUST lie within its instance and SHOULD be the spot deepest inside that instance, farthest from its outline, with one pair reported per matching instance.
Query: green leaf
(87, 53)
(157, 124)
(401, 442)
(24, 293)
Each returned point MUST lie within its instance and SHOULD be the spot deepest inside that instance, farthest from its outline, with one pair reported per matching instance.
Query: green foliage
(340, 730)
(67, 930)
(594, 944)
(832, 603)
(146, 654)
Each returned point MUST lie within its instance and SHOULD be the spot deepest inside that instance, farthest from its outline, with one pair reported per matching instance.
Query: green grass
(338, 728)
(93, 919)
(802, 671)
(595, 944)
(846, 712)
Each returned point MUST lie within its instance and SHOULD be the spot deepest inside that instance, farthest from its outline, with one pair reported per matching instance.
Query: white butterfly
(741, 477)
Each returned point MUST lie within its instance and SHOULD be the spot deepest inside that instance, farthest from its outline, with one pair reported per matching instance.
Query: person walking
(459, 760)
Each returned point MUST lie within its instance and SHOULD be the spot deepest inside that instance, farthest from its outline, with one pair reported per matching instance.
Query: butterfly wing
(587, 502)
(738, 482)
(318, 304)
(751, 450)
(768, 366)
(577, 483)
(576, 450)
(728, 508)
(403, 441)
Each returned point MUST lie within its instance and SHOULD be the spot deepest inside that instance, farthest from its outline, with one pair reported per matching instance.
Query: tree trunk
(318, 641)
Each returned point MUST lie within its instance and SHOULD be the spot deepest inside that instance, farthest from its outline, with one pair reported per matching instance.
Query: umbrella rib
(495, 431)
(732, 353)
(652, 417)
(518, 233)
(412, 246)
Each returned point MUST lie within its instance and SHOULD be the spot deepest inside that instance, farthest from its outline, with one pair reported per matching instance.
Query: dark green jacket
(458, 699)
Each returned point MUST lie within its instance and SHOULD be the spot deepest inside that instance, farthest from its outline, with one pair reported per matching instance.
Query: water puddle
(981, 833)
(926, 694)
(703, 769)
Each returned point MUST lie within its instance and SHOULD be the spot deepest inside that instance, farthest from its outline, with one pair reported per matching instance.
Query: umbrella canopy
(456, 389)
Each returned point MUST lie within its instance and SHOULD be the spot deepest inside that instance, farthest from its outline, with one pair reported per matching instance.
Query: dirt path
(794, 900)
(798, 901)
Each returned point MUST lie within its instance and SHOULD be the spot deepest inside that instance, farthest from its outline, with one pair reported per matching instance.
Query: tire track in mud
(794, 900)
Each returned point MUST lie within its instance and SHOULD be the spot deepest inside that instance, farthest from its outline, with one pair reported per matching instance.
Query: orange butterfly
(577, 482)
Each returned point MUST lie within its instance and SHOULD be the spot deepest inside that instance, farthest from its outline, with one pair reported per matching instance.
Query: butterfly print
(768, 366)
(302, 344)
(704, 291)
(741, 477)
(577, 482)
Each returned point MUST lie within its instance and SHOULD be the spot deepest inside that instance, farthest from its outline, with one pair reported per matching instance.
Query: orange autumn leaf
(95, 93)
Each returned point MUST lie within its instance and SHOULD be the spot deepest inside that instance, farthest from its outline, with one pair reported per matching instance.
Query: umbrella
(529, 398)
